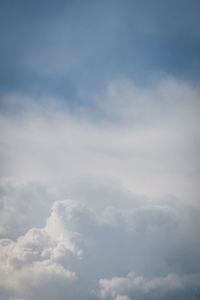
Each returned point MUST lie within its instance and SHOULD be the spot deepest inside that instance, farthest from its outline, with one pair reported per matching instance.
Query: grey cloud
(23, 206)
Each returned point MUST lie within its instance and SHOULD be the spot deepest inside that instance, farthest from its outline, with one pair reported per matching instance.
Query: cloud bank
(79, 254)
(101, 201)
(146, 137)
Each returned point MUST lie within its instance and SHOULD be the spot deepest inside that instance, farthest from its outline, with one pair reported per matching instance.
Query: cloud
(77, 249)
(145, 137)
(99, 150)
(23, 206)
(156, 288)
(128, 167)
(32, 262)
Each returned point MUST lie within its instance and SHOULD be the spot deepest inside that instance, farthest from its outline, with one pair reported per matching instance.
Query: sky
(99, 156)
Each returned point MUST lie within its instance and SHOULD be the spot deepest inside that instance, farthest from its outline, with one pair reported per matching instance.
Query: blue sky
(99, 150)
(70, 45)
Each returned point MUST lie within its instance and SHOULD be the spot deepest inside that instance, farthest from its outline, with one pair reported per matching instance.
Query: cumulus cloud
(129, 166)
(78, 249)
(33, 261)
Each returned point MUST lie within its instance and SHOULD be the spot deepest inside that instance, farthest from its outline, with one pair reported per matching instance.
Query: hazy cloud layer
(23, 205)
(147, 138)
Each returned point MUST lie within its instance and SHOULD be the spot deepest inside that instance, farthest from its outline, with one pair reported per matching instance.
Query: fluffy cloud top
(81, 254)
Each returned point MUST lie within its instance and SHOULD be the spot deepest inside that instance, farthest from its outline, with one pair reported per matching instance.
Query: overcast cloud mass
(99, 156)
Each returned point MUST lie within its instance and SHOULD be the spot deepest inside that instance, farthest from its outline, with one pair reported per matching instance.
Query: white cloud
(146, 137)
(33, 261)
(118, 287)
(122, 297)
(119, 171)
(77, 248)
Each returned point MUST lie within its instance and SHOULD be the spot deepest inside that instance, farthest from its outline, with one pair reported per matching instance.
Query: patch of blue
(59, 47)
